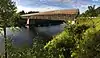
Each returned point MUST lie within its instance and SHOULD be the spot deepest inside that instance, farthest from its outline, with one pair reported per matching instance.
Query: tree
(98, 10)
(91, 12)
(32, 12)
(7, 13)
(22, 12)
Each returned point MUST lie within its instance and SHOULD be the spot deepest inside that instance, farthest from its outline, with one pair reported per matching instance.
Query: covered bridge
(58, 15)
(54, 15)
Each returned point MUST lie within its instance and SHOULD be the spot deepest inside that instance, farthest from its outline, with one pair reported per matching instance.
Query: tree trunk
(4, 29)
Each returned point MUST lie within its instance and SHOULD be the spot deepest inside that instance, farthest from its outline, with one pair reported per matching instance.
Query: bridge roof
(65, 11)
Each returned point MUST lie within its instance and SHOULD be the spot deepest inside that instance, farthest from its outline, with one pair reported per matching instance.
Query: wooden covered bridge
(54, 16)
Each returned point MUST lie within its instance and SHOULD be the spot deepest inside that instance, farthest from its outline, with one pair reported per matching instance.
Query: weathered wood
(58, 15)
(54, 15)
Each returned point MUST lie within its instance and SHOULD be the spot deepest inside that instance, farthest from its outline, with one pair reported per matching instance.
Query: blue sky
(48, 5)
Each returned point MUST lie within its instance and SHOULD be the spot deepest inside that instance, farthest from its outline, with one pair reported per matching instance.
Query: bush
(35, 51)
(90, 47)
(90, 44)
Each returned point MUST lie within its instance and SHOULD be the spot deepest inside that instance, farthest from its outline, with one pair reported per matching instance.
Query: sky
(48, 5)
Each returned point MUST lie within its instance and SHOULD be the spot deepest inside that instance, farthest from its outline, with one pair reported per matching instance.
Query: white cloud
(82, 8)
(95, 0)
(63, 0)
(41, 9)
(58, 0)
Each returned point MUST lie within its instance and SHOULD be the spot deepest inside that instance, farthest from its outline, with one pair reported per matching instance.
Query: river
(22, 36)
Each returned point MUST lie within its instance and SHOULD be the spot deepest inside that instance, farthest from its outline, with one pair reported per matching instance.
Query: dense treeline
(23, 12)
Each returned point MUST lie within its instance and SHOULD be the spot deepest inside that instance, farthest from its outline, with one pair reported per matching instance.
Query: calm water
(22, 36)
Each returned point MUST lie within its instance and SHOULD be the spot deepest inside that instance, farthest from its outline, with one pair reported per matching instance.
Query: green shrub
(90, 46)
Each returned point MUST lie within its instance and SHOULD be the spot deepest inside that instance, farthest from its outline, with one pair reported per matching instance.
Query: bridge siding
(53, 17)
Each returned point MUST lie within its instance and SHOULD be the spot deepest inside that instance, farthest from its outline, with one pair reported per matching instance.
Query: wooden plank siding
(54, 15)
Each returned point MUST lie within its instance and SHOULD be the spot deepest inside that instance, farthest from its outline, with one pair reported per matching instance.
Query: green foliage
(36, 51)
(89, 47)
(74, 36)
(7, 15)
(98, 10)
(98, 15)
(24, 52)
(59, 44)
(68, 40)
(7, 11)
(91, 12)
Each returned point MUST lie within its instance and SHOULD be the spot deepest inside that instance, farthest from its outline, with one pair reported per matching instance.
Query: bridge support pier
(27, 24)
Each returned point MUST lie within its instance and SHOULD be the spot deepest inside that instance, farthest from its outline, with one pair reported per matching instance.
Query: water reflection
(23, 37)
(50, 30)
